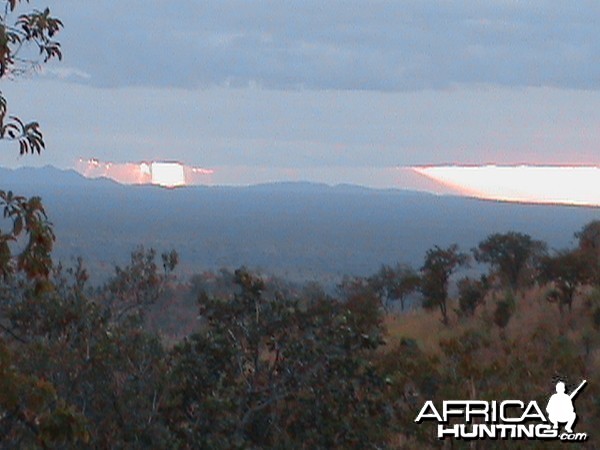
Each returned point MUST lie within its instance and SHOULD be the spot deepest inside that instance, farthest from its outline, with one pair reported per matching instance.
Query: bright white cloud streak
(536, 184)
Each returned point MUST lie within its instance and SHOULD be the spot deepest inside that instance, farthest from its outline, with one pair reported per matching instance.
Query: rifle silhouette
(576, 391)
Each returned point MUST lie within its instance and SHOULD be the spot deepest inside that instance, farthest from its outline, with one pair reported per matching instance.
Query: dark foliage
(436, 271)
(512, 256)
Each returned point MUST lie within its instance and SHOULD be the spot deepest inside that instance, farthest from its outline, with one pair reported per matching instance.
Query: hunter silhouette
(560, 407)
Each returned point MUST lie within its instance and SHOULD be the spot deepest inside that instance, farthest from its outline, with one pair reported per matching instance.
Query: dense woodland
(236, 359)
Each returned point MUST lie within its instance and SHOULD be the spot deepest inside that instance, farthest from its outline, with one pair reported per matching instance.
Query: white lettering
(448, 411)
(477, 408)
(453, 431)
(503, 407)
(536, 414)
(423, 415)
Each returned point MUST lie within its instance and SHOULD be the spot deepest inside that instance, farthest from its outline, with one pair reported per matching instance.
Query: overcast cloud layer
(356, 45)
(318, 87)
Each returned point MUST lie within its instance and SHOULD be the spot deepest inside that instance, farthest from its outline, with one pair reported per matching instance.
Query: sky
(335, 91)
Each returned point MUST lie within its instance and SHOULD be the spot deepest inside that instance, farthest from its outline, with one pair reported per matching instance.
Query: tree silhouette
(510, 255)
(471, 294)
(589, 244)
(567, 271)
(393, 284)
(439, 265)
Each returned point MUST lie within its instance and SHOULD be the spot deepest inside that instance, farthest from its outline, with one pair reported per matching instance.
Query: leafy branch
(35, 29)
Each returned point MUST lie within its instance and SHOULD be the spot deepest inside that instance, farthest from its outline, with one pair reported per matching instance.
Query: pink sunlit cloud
(161, 173)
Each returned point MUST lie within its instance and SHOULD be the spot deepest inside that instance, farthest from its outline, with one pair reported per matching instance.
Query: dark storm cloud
(352, 45)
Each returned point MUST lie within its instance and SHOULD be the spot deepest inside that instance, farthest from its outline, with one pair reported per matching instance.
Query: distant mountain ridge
(50, 175)
(299, 230)
(46, 175)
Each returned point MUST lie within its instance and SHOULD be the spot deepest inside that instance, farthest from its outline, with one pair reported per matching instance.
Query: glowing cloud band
(571, 185)
(161, 173)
